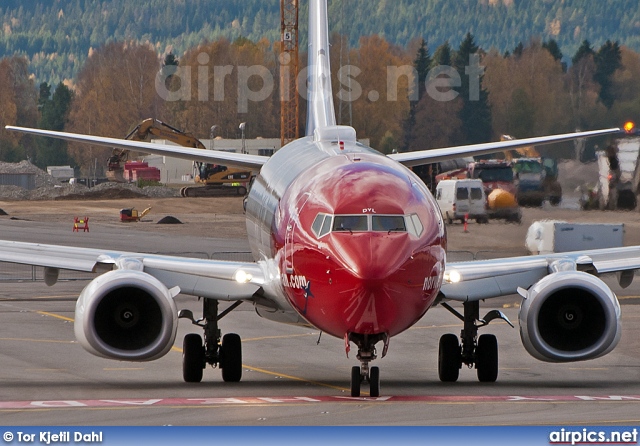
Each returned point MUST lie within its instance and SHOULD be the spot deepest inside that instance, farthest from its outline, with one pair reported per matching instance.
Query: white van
(458, 198)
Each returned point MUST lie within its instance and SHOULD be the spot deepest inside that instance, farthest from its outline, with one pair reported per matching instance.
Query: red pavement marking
(239, 401)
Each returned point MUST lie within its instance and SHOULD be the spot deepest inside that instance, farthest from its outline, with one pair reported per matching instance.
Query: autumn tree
(19, 107)
(115, 90)
(530, 88)
(625, 88)
(437, 114)
(228, 83)
(583, 90)
(381, 102)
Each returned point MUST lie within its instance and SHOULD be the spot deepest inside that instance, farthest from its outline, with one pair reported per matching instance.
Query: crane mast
(289, 99)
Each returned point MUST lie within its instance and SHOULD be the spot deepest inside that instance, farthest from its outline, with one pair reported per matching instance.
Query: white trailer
(546, 237)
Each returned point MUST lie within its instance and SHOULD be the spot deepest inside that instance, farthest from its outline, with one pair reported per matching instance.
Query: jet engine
(569, 316)
(126, 315)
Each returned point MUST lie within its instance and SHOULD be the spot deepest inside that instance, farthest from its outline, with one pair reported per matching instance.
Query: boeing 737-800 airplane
(347, 240)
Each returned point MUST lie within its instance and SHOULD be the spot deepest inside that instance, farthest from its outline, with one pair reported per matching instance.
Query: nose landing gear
(366, 354)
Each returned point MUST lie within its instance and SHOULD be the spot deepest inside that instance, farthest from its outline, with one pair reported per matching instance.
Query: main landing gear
(366, 354)
(226, 354)
(479, 351)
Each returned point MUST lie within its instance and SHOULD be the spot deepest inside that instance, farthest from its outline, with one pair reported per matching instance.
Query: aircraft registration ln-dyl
(347, 240)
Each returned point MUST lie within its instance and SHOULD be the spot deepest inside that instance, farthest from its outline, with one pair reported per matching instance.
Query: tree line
(401, 98)
(56, 36)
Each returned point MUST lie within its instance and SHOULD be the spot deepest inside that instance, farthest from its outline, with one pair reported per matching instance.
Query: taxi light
(452, 276)
(629, 126)
(242, 276)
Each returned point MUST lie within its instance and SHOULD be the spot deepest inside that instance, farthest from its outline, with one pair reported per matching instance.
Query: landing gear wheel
(193, 360)
(356, 379)
(231, 357)
(449, 358)
(487, 358)
(374, 382)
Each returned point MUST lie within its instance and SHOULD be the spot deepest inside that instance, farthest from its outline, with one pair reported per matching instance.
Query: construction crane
(289, 99)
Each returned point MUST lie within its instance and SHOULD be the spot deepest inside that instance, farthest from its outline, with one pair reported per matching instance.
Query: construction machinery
(132, 214)
(536, 177)
(213, 179)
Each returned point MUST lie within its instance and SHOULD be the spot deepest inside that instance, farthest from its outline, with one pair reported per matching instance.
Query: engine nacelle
(569, 316)
(127, 315)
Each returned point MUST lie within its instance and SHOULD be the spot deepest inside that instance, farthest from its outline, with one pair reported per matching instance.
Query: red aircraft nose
(363, 248)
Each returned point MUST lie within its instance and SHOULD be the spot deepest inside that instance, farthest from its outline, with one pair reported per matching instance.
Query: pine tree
(475, 114)
(608, 59)
(585, 50)
(554, 50)
(422, 63)
(442, 55)
(53, 116)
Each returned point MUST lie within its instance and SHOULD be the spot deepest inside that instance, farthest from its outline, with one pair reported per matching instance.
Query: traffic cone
(466, 220)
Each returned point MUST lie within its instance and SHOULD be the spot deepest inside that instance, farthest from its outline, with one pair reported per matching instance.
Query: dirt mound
(169, 220)
(102, 194)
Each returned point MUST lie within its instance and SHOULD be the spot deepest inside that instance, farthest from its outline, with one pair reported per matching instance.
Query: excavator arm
(213, 177)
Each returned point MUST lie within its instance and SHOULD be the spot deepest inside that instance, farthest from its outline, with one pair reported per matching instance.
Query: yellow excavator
(215, 180)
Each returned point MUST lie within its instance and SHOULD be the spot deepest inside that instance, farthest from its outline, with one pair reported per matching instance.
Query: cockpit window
(350, 223)
(323, 224)
(414, 224)
(388, 223)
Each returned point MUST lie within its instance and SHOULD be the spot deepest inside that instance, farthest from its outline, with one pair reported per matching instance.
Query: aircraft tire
(193, 360)
(374, 382)
(231, 358)
(487, 358)
(449, 358)
(356, 379)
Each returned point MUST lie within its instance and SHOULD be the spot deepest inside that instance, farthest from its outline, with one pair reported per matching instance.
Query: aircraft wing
(191, 154)
(215, 279)
(417, 158)
(477, 280)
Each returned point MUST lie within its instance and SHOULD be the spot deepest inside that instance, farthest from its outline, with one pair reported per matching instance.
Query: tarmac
(291, 376)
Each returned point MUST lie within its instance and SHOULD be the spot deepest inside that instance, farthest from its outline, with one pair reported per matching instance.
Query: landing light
(242, 276)
(629, 126)
(452, 276)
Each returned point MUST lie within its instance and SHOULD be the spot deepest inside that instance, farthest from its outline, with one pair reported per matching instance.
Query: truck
(498, 180)
(212, 179)
(536, 177)
(536, 180)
